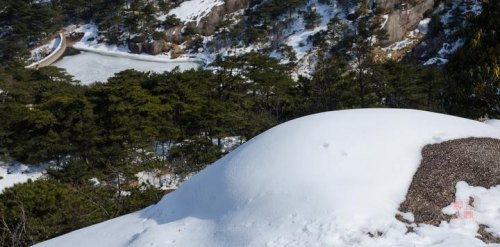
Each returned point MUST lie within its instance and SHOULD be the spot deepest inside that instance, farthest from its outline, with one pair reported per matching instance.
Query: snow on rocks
(155, 178)
(330, 179)
(195, 10)
(90, 43)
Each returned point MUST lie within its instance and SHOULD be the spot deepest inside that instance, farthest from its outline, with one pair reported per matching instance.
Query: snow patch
(14, 173)
(194, 10)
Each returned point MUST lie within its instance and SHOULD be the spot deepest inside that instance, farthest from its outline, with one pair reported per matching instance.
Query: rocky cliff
(403, 16)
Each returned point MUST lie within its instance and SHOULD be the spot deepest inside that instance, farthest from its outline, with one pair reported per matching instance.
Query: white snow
(485, 208)
(493, 122)
(323, 180)
(384, 22)
(298, 35)
(14, 173)
(194, 10)
(423, 25)
(445, 51)
(89, 67)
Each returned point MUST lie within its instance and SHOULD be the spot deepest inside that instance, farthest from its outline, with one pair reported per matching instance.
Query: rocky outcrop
(174, 35)
(135, 47)
(135, 44)
(403, 16)
(176, 51)
(209, 23)
(156, 47)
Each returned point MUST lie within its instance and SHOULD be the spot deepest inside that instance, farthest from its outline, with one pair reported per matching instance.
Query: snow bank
(324, 180)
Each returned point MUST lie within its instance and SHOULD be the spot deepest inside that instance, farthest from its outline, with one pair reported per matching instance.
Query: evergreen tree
(475, 70)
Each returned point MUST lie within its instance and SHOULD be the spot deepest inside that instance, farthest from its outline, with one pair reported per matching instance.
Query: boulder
(135, 47)
(136, 44)
(174, 35)
(176, 51)
(155, 47)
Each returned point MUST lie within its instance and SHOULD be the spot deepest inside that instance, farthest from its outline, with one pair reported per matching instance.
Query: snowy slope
(194, 10)
(323, 180)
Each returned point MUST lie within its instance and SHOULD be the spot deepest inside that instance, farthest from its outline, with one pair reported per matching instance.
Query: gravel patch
(473, 160)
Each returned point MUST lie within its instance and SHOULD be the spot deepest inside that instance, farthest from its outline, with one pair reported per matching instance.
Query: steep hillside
(301, 32)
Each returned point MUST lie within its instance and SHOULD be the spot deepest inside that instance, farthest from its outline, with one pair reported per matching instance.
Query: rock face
(474, 160)
(387, 4)
(402, 18)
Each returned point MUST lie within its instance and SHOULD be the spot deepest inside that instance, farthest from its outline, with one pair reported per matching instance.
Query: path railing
(52, 57)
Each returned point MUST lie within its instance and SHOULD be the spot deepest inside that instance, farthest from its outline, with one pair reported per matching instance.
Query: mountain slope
(332, 179)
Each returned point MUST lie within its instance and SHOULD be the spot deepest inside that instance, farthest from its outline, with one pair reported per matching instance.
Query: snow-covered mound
(330, 179)
(493, 122)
